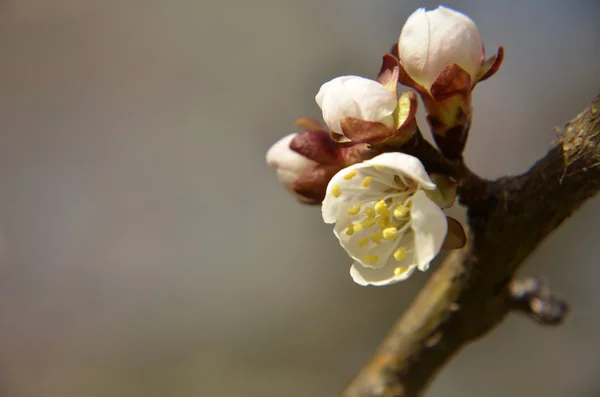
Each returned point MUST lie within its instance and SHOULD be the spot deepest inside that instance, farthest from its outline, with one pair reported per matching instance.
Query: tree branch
(473, 289)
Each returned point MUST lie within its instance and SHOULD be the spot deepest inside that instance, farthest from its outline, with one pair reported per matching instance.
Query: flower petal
(375, 101)
(405, 164)
(341, 192)
(287, 163)
(454, 38)
(286, 177)
(372, 255)
(384, 276)
(413, 46)
(429, 225)
(335, 102)
(335, 203)
(281, 156)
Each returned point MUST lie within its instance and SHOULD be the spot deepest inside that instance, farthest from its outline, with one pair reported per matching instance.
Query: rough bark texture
(473, 289)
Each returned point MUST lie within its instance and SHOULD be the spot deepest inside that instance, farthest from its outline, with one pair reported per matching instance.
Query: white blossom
(358, 97)
(384, 219)
(432, 40)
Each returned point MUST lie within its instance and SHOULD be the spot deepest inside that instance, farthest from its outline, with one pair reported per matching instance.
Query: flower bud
(442, 58)
(288, 164)
(356, 97)
(305, 162)
(433, 40)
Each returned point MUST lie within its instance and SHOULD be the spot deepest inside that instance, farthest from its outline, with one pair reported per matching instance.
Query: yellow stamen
(381, 208)
(390, 233)
(371, 259)
(383, 222)
(363, 241)
(354, 210)
(350, 230)
(400, 254)
(379, 167)
(367, 181)
(400, 212)
(399, 270)
(350, 175)
(358, 227)
(367, 223)
(376, 237)
(370, 212)
(336, 191)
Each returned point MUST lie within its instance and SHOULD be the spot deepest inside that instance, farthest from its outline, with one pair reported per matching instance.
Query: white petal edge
(401, 163)
(456, 38)
(413, 46)
(405, 164)
(378, 277)
(331, 206)
(338, 104)
(336, 101)
(279, 149)
(286, 178)
(280, 156)
(429, 225)
(384, 250)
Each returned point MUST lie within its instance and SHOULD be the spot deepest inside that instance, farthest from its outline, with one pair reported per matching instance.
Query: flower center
(385, 219)
(382, 221)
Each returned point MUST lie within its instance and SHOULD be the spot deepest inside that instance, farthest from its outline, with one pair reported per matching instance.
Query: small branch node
(533, 297)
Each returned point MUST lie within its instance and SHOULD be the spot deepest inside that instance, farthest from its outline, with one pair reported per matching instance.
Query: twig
(532, 296)
(473, 290)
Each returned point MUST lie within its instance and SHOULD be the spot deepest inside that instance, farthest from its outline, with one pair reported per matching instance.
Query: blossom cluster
(387, 208)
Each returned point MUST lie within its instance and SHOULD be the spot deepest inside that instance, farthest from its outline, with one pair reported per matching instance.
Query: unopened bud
(442, 58)
(356, 97)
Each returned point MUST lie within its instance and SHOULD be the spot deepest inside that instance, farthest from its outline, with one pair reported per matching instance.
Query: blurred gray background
(147, 250)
